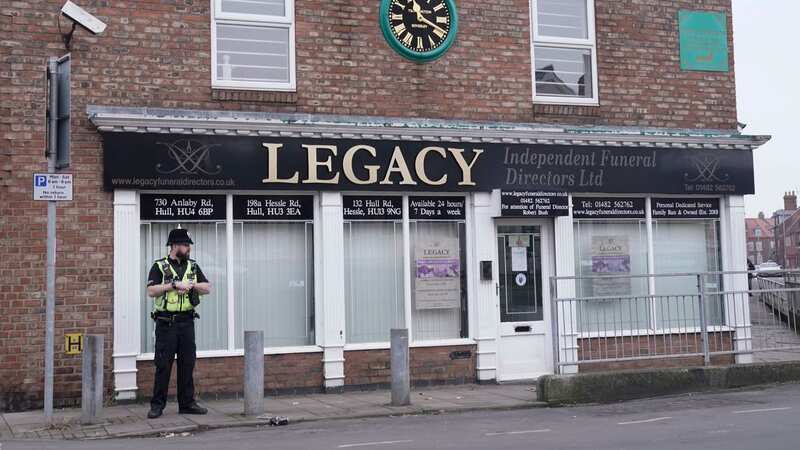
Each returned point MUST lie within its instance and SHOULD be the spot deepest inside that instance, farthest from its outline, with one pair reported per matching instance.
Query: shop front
(326, 232)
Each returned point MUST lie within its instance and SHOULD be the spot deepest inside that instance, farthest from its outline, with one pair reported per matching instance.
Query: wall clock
(420, 30)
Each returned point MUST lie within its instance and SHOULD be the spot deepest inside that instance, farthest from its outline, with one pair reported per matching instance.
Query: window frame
(590, 43)
(286, 21)
(650, 225)
(347, 228)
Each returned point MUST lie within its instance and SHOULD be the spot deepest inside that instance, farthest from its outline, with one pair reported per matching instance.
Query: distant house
(760, 240)
(786, 233)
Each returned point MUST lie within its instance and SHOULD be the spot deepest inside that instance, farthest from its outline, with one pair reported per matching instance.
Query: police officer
(175, 282)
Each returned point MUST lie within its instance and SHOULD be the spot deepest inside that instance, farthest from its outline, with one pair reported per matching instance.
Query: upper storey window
(564, 52)
(252, 44)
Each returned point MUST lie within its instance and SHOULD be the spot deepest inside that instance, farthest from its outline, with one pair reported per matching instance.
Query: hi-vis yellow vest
(172, 301)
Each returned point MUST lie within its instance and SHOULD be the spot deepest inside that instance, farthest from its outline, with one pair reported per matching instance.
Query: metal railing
(680, 319)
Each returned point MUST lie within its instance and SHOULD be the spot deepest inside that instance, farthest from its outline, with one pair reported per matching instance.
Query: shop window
(274, 279)
(373, 257)
(564, 51)
(686, 246)
(209, 250)
(609, 252)
(253, 44)
(438, 279)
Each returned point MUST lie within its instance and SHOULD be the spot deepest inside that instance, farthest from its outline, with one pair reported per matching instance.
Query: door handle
(497, 289)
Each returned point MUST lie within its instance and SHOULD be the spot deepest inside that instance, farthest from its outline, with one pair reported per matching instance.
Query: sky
(768, 95)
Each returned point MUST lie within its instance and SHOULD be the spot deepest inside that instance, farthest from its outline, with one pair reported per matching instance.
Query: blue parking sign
(40, 180)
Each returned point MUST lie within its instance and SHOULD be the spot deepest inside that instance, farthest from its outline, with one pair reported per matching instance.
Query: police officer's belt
(175, 317)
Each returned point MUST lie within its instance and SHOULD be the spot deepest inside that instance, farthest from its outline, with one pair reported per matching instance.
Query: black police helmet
(179, 236)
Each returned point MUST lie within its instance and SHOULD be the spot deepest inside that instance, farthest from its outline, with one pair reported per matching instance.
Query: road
(762, 419)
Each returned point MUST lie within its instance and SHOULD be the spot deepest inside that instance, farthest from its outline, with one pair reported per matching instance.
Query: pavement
(770, 331)
(764, 418)
(126, 421)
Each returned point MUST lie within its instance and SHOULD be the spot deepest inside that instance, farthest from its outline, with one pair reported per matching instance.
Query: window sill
(649, 333)
(240, 352)
(566, 109)
(265, 96)
(387, 346)
(567, 101)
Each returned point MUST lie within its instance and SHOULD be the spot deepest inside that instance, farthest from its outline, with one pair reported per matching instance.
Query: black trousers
(171, 338)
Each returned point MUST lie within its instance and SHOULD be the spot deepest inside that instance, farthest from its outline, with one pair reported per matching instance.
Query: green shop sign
(703, 41)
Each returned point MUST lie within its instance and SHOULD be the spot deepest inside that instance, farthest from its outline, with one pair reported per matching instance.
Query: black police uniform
(175, 334)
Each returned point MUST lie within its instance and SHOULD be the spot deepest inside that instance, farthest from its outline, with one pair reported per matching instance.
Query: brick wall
(429, 366)
(652, 346)
(157, 53)
(291, 373)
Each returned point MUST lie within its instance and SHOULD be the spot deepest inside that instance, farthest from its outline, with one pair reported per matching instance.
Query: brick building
(760, 240)
(316, 166)
(786, 232)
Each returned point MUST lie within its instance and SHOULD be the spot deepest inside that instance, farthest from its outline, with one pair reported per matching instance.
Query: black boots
(194, 408)
(154, 412)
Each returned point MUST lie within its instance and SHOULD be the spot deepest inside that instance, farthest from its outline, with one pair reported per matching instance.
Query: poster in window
(611, 256)
(437, 283)
(519, 259)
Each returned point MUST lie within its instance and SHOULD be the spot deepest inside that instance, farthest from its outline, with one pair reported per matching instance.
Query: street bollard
(92, 379)
(253, 373)
(401, 376)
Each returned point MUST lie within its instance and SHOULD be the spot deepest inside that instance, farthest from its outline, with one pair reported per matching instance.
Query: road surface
(756, 419)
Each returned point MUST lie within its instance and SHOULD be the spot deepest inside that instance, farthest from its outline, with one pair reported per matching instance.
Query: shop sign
(533, 204)
(608, 208)
(145, 161)
(685, 208)
(436, 208)
(437, 284)
(273, 207)
(703, 40)
(372, 207)
(182, 207)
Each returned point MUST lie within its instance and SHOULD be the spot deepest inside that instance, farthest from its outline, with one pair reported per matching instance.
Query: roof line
(182, 121)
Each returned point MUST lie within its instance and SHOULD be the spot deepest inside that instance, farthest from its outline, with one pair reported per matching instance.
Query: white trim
(564, 240)
(407, 268)
(590, 44)
(287, 21)
(332, 297)
(201, 354)
(417, 344)
(287, 17)
(472, 265)
(127, 291)
(230, 275)
(443, 342)
(367, 346)
(649, 333)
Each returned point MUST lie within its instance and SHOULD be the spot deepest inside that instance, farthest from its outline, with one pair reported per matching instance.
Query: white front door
(525, 263)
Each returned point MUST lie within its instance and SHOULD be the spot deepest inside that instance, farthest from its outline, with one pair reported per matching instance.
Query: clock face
(419, 29)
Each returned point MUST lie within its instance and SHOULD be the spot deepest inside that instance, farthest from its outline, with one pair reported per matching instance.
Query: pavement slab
(131, 420)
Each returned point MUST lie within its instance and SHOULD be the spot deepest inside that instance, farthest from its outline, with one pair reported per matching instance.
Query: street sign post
(52, 186)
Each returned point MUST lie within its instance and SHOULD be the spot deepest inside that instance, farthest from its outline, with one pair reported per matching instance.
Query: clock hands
(418, 10)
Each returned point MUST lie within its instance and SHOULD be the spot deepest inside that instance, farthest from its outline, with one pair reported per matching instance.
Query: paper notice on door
(519, 259)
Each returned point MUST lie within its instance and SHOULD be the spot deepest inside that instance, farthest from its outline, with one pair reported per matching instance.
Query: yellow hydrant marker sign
(73, 343)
